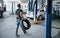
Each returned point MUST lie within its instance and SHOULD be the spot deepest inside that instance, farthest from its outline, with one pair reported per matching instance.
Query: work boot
(25, 32)
(17, 35)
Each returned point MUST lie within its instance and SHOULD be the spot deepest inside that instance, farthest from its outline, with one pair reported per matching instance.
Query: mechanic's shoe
(18, 35)
(25, 32)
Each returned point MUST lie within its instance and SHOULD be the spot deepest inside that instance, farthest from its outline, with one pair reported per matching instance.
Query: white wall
(8, 4)
(24, 6)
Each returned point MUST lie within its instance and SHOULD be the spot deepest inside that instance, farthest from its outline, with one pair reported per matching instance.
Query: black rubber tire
(28, 24)
(40, 17)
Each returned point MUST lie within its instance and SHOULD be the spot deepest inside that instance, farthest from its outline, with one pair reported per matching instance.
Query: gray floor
(8, 28)
(57, 36)
(56, 22)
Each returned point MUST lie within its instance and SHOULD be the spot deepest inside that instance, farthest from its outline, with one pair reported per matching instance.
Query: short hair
(18, 5)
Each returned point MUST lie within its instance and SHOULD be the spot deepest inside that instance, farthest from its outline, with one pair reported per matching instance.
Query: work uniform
(19, 19)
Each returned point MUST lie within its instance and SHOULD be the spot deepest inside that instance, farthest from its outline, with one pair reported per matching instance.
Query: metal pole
(30, 3)
(35, 10)
(48, 19)
(12, 8)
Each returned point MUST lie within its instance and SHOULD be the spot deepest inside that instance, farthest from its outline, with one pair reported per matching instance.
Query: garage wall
(8, 4)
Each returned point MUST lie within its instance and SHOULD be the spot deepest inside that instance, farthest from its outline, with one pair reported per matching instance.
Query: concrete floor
(8, 28)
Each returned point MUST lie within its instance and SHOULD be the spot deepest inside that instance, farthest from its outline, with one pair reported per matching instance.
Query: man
(19, 18)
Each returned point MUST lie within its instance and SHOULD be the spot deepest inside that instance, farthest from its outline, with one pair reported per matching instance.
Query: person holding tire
(19, 18)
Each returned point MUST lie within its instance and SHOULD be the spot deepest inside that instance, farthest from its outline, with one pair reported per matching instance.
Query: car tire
(40, 17)
(28, 24)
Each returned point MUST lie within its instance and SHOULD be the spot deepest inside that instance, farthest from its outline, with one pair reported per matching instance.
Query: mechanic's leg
(23, 28)
(17, 27)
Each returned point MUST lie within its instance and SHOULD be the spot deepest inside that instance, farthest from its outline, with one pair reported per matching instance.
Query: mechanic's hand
(23, 18)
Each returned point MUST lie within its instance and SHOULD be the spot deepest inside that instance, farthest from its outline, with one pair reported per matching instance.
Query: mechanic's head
(19, 5)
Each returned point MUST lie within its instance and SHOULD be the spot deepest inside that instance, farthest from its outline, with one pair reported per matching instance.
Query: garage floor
(8, 28)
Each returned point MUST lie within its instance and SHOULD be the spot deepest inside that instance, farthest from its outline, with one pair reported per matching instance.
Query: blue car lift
(35, 13)
(48, 19)
(35, 10)
(30, 9)
(30, 3)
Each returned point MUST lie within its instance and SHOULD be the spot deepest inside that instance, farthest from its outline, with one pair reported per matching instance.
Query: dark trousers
(19, 24)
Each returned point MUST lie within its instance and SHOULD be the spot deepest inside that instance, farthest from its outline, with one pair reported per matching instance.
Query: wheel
(26, 27)
(40, 17)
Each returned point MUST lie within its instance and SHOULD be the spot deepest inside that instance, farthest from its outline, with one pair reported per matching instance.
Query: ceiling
(24, 1)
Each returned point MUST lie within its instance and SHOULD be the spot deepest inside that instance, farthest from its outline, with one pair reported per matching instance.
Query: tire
(28, 24)
(40, 17)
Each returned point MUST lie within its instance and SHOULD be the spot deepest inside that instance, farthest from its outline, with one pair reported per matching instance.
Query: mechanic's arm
(21, 15)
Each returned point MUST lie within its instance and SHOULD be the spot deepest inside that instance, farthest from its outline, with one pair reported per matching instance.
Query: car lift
(48, 18)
